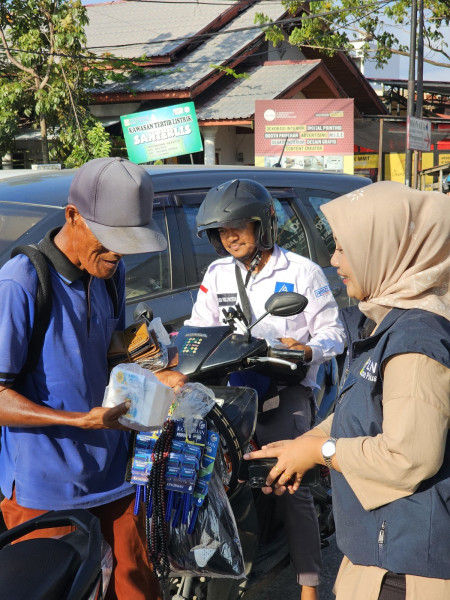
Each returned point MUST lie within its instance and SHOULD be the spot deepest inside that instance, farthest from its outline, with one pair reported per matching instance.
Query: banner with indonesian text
(161, 133)
(314, 135)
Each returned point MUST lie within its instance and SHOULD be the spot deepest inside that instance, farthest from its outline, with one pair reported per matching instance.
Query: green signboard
(161, 133)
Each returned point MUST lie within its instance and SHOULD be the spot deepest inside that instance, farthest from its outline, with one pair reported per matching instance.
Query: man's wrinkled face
(239, 241)
(89, 253)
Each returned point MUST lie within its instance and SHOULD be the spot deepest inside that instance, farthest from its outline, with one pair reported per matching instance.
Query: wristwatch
(328, 451)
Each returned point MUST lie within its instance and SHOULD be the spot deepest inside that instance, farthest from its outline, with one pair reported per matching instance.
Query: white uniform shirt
(318, 325)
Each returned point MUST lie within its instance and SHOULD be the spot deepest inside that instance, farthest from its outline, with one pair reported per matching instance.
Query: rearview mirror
(285, 304)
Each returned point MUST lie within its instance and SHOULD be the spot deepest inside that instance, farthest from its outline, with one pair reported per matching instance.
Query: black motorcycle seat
(48, 575)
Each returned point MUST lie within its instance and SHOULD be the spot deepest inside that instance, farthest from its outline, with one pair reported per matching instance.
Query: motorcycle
(76, 566)
(208, 355)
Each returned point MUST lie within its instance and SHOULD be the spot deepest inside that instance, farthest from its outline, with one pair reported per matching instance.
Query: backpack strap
(111, 288)
(43, 306)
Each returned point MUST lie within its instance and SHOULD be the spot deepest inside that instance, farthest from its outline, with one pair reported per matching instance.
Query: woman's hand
(294, 458)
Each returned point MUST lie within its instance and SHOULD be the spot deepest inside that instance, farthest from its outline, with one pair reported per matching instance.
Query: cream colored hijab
(396, 240)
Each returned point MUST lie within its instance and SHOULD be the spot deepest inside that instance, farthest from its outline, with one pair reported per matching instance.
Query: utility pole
(411, 85)
(419, 102)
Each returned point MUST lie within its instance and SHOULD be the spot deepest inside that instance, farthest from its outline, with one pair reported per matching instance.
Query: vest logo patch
(282, 286)
(369, 370)
(227, 299)
(323, 291)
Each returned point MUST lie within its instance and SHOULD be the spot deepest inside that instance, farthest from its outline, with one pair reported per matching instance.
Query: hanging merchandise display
(178, 476)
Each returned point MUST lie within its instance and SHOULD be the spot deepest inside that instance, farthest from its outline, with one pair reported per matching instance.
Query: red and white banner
(308, 134)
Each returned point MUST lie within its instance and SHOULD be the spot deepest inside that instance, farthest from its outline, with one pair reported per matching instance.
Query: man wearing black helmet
(240, 221)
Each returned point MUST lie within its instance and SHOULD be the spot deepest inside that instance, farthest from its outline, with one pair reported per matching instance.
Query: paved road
(284, 586)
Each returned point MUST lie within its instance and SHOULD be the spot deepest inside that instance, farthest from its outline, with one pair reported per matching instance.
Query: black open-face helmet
(233, 204)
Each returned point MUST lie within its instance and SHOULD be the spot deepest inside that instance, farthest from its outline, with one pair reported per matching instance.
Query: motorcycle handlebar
(287, 354)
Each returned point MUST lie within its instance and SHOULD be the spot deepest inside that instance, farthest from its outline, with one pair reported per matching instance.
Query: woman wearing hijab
(387, 444)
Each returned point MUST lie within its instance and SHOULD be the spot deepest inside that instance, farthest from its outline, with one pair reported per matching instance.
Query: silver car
(168, 281)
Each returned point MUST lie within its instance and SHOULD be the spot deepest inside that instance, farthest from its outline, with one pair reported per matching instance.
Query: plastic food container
(150, 400)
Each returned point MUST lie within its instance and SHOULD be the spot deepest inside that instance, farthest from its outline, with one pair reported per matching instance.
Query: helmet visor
(237, 224)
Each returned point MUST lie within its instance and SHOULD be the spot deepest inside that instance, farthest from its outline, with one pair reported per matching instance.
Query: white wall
(284, 51)
(235, 148)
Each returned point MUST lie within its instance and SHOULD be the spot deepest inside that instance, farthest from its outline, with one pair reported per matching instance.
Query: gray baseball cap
(115, 198)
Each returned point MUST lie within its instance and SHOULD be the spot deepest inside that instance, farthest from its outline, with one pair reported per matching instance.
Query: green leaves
(91, 142)
(333, 25)
(273, 33)
(46, 72)
(230, 71)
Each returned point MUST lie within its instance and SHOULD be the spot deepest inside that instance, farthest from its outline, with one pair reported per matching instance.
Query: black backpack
(43, 308)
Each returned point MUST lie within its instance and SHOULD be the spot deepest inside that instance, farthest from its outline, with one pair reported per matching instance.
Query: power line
(206, 36)
(178, 66)
(230, 3)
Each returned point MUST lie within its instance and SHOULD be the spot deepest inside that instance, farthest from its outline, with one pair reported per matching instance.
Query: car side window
(149, 273)
(15, 220)
(313, 199)
(291, 234)
(203, 254)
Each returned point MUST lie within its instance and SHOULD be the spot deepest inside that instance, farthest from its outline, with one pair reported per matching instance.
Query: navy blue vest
(410, 535)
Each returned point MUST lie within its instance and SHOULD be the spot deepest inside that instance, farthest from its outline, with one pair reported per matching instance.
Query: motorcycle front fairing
(211, 351)
(233, 351)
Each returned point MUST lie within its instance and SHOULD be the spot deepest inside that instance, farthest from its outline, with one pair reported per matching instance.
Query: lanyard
(245, 302)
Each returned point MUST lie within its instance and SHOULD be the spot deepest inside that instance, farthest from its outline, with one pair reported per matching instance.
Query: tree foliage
(46, 75)
(230, 71)
(334, 25)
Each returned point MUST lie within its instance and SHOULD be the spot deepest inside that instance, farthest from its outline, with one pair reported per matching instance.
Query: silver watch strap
(328, 461)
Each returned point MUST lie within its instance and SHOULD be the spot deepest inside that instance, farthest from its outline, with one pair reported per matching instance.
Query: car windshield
(16, 219)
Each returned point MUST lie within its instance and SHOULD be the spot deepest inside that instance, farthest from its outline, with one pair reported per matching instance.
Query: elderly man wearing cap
(60, 448)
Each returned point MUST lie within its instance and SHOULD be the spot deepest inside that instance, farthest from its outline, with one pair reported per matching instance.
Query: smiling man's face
(239, 241)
